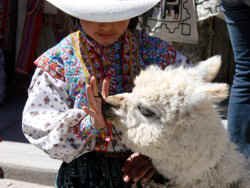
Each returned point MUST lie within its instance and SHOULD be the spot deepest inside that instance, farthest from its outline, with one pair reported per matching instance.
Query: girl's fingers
(148, 176)
(138, 167)
(126, 178)
(105, 87)
(93, 84)
(129, 163)
(94, 108)
(98, 122)
(89, 111)
(139, 170)
(91, 98)
(142, 173)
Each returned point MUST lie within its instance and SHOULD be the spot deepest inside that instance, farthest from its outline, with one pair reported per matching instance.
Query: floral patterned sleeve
(51, 123)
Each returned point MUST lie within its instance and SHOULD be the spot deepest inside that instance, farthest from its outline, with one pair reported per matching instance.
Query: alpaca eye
(146, 112)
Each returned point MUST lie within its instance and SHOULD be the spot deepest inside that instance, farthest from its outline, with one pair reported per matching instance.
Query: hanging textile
(30, 36)
(4, 6)
(207, 8)
(177, 20)
(3, 24)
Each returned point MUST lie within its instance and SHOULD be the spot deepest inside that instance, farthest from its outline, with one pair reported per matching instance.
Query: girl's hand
(138, 167)
(95, 101)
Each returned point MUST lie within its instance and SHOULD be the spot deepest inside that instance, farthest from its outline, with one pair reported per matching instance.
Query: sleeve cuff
(87, 128)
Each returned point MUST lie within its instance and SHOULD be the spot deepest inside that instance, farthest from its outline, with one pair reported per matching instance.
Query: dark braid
(133, 23)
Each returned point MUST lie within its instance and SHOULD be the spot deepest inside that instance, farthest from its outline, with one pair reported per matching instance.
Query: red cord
(107, 139)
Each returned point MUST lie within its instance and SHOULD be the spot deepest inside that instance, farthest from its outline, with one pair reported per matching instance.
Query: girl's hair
(133, 23)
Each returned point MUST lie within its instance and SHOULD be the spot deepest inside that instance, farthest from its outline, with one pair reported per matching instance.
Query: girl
(63, 114)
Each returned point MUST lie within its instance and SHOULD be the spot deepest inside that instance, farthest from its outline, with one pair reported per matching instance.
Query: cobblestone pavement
(7, 183)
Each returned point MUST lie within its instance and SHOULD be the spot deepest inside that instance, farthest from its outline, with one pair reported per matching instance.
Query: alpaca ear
(209, 68)
(216, 92)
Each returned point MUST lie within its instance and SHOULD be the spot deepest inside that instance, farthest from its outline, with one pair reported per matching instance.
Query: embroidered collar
(104, 61)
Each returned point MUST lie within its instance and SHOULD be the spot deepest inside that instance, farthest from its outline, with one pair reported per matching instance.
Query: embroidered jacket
(53, 118)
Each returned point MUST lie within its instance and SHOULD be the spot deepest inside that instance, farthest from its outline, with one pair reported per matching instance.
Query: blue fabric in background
(237, 17)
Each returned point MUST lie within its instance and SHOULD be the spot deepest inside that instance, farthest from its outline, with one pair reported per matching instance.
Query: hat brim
(104, 10)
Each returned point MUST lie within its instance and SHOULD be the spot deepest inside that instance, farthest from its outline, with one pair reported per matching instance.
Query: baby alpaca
(170, 117)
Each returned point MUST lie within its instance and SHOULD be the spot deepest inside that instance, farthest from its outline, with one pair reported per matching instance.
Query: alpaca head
(169, 115)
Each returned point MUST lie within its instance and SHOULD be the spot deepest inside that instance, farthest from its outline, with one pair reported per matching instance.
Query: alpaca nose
(115, 100)
(106, 105)
(109, 103)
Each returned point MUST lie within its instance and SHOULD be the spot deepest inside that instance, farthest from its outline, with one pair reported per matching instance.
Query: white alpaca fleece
(170, 117)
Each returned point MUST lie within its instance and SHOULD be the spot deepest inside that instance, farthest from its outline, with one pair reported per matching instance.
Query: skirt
(93, 170)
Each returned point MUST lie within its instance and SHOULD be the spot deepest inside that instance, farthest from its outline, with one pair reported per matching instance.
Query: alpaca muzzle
(106, 110)
(109, 104)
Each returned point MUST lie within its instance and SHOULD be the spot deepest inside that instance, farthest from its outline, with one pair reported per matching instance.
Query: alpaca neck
(209, 145)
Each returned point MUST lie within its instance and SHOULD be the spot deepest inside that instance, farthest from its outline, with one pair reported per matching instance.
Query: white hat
(104, 10)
